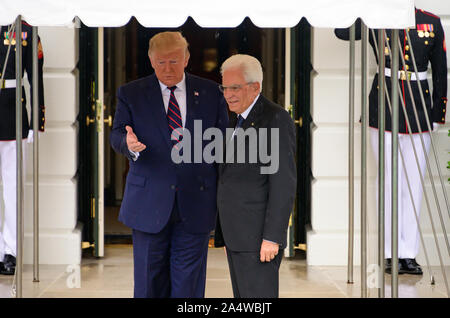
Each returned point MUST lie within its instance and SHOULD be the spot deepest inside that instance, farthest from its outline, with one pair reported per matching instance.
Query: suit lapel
(227, 141)
(155, 100)
(191, 103)
(252, 120)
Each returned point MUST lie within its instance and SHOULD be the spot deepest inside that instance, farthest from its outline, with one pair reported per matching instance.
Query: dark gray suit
(254, 206)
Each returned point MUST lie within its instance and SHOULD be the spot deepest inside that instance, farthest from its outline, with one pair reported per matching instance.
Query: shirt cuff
(271, 241)
(134, 155)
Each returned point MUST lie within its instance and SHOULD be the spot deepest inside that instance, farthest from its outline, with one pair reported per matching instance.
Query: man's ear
(186, 58)
(151, 62)
(257, 87)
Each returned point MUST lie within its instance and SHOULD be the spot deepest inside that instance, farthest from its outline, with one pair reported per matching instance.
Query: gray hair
(250, 67)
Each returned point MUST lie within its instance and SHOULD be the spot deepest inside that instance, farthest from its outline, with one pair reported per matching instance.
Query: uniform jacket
(154, 179)
(428, 44)
(8, 95)
(254, 206)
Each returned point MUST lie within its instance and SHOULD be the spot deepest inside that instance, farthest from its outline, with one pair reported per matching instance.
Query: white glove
(30, 136)
(435, 127)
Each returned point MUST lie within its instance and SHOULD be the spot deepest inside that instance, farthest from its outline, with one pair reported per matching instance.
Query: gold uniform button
(407, 57)
(426, 42)
(407, 67)
(407, 47)
(426, 91)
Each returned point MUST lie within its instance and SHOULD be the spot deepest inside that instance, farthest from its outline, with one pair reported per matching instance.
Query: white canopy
(392, 14)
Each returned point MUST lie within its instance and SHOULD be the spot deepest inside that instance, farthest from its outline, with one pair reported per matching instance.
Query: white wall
(60, 237)
(327, 240)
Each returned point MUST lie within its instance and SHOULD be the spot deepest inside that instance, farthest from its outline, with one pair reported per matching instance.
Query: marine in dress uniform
(428, 44)
(8, 131)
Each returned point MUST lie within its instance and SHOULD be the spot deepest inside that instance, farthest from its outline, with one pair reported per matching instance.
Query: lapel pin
(195, 93)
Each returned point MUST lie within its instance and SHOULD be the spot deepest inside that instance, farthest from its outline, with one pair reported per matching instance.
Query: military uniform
(428, 44)
(8, 130)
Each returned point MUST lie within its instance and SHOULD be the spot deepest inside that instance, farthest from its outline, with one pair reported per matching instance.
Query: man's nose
(167, 67)
(227, 93)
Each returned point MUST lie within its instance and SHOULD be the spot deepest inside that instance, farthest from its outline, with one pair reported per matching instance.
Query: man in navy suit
(170, 207)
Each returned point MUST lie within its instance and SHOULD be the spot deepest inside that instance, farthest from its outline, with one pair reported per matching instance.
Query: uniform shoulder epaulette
(25, 23)
(429, 14)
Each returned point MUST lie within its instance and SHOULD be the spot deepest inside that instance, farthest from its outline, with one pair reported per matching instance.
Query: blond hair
(167, 41)
(251, 68)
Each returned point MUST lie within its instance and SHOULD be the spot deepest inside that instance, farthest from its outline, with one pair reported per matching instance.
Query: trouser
(408, 231)
(251, 278)
(171, 263)
(8, 177)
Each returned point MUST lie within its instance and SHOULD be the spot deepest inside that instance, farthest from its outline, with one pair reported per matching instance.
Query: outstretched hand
(133, 142)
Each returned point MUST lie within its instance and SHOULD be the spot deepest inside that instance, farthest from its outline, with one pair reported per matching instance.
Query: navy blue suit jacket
(154, 179)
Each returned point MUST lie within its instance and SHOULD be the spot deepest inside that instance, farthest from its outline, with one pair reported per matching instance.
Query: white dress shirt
(180, 95)
(245, 113)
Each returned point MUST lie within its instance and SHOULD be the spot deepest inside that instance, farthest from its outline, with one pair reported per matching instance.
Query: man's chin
(233, 108)
(169, 82)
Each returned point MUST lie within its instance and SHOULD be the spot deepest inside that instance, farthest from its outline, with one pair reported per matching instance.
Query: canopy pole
(351, 158)
(381, 158)
(364, 97)
(415, 154)
(395, 129)
(438, 165)
(19, 163)
(289, 250)
(35, 99)
(408, 81)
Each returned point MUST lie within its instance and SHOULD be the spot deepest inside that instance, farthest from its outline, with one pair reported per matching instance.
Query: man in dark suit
(8, 41)
(255, 196)
(170, 207)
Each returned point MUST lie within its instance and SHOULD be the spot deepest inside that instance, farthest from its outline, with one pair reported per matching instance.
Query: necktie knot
(239, 122)
(174, 118)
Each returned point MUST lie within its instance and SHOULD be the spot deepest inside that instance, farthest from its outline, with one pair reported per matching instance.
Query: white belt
(402, 75)
(9, 83)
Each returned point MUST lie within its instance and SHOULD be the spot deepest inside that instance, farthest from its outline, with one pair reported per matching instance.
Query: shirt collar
(247, 111)
(181, 85)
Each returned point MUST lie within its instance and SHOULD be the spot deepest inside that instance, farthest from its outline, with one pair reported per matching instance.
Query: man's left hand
(268, 251)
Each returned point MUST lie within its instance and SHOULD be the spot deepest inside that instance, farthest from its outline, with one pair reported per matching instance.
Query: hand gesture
(132, 141)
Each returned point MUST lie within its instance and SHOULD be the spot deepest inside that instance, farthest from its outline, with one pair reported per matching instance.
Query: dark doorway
(126, 59)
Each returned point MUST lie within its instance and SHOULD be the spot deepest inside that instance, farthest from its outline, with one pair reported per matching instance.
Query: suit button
(172, 187)
(201, 188)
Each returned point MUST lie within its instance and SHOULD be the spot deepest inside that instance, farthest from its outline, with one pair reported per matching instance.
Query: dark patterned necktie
(174, 118)
(239, 122)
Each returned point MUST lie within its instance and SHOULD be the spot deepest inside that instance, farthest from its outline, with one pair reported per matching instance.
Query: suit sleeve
(122, 118)
(222, 124)
(222, 118)
(28, 65)
(282, 183)
(439, 74)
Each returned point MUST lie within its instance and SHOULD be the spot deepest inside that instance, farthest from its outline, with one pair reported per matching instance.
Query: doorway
(126, 59)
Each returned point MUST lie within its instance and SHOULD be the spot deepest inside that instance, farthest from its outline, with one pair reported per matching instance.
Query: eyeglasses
(232, 88)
